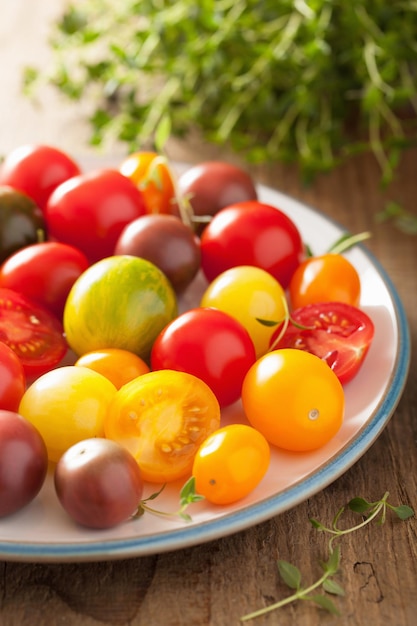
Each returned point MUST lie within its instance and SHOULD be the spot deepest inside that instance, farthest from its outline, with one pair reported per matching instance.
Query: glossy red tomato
(338, 333)
(44, 272)
(12, 379)
(209, 344)
(90, 211)
(23, 462)
(33, 333)
(251, 233)
(37, 170)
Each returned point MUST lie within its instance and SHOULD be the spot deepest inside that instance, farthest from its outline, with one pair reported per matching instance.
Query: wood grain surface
(215, 583)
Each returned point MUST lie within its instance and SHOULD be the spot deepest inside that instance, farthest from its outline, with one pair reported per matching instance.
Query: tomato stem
(347, 241)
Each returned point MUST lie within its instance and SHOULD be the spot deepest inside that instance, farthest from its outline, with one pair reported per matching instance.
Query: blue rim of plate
(256, 513)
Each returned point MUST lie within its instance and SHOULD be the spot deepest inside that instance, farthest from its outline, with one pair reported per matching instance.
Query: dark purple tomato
(165, 241)
(98, 483)
(23, 462)
(213, 185)
(21, 221)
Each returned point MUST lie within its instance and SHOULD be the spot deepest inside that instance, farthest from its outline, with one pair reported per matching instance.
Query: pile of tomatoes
(112, 371)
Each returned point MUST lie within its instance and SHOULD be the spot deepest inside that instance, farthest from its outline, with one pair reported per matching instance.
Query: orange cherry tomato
(230, 463)
(150, 173)
(326, 278)
(294, 399)
(162, 418)
(119, 366)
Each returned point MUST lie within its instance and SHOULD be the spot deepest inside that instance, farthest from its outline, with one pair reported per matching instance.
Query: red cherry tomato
(12, 379)
(33, 333)
(44, 272)
(37, 170)
(338, 333)
(209, 344)
(251, 233)
(90, 211)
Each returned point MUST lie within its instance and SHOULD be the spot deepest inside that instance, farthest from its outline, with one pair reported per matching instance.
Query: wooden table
(215, 583)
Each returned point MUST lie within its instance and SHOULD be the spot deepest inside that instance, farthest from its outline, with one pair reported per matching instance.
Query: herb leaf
(290, 574)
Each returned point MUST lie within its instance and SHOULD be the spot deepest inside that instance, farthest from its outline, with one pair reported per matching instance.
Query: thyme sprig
(291, 575)
(188, 496)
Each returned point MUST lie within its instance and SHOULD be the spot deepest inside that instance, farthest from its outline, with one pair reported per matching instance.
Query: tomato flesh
(340, 334)
(31, 331)
(162, 418)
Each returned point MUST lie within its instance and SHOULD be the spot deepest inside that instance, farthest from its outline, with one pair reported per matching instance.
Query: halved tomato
(162, 418)
(32, 332)
(338, 333)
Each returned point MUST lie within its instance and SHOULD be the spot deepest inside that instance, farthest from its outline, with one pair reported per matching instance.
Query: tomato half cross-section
(162, 418)
(340, 334)
(32, 332)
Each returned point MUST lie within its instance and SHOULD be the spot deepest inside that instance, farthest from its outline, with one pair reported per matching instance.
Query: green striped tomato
(122, 302)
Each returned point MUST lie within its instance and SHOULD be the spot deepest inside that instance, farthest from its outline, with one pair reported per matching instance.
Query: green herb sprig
(188, 496)
(291, 575)
(311, 82)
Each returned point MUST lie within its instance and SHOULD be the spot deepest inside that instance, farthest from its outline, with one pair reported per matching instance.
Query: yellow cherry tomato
(249, 294)
(230, 463)
(151, 174)
(67, 405)
(162, 418)
(119, 366)
(294, 399)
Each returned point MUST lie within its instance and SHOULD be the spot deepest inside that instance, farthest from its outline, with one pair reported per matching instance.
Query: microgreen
(188, 496)
(291, 575)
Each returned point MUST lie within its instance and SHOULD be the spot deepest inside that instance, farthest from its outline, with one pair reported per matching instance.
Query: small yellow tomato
(67, 405)
(249, 294)
(230, 463)
(119, 366)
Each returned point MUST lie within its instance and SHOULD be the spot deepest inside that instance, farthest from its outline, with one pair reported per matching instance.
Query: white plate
(43, 532)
